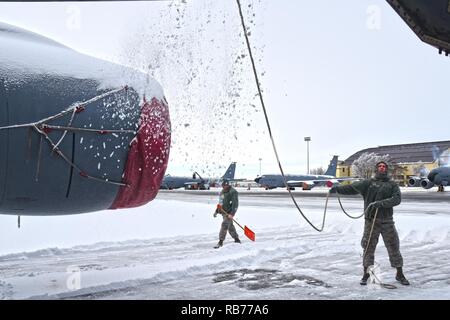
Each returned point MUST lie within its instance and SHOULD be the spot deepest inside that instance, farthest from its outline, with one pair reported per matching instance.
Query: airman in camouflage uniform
(230, 202)
(383, 194)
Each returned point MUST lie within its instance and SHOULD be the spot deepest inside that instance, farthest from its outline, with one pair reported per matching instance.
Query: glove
(215, 214)
(372, 208)
(377, 204)
(333, 189)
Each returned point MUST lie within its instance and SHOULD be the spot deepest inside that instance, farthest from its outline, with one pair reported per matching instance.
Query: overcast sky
(350, 76)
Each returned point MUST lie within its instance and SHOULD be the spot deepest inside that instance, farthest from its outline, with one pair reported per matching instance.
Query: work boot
(365, 277)
(237, 240)
(400, 277)
(219, 244)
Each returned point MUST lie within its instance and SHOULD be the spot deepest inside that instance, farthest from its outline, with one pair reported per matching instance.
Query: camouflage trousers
(390, 237)
(227, 225)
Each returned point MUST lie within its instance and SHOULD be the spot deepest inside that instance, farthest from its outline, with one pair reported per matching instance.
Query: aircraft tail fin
(229, 174)
(331, 171)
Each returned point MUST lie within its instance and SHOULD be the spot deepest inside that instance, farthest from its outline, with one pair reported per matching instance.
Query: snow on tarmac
(164, 250)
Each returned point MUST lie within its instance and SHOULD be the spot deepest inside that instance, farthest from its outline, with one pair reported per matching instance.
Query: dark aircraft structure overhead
(429, 19)
(77, 134)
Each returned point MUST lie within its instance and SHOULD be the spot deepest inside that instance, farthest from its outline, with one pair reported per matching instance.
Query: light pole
(307, 139)
(260, 167)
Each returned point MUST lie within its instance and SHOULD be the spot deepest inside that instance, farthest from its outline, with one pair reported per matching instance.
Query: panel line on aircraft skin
(6, 146)
(71, 167)
(39, 156)
(30, 143)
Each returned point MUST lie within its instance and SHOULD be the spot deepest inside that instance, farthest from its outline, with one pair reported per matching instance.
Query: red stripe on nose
(148, 157)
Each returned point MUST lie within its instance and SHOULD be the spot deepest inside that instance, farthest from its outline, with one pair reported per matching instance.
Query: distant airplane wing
(329, 182)
(348, 179)
(299, 183)
(190, 183)
(337, 181)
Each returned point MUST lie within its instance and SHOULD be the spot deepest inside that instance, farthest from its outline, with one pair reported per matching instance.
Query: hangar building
(410, 159)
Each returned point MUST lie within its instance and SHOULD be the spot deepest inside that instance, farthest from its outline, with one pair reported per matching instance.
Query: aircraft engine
(77, 134)
(414, 182)
(426, 184)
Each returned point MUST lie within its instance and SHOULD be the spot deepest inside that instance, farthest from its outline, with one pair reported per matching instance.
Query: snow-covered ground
(165, 251)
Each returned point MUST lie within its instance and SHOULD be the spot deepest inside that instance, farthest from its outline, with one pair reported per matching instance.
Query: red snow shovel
(249, 233)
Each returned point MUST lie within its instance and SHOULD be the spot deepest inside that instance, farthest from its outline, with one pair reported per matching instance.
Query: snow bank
(164, 250)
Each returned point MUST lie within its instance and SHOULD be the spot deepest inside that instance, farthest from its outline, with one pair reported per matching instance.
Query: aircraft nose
(432, 175)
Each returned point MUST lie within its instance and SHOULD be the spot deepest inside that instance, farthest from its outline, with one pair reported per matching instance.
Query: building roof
(404, 153)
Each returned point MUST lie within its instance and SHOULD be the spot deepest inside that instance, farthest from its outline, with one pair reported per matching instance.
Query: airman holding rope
(380, 194)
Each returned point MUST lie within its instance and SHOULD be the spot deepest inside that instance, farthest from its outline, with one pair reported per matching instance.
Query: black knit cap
(376, 166)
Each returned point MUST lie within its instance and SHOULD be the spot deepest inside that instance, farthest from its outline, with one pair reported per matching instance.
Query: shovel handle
(249, 233)
(224, 212)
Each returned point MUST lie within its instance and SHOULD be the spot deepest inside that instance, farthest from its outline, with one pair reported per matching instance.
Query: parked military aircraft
(306, 181)
(173, 182)
(439, 177)
(77, 134)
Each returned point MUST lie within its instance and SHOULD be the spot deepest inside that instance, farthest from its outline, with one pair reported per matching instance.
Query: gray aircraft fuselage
(176, 182)
(272, 181)
(40, 78)
(438, 177)
(170, 182)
